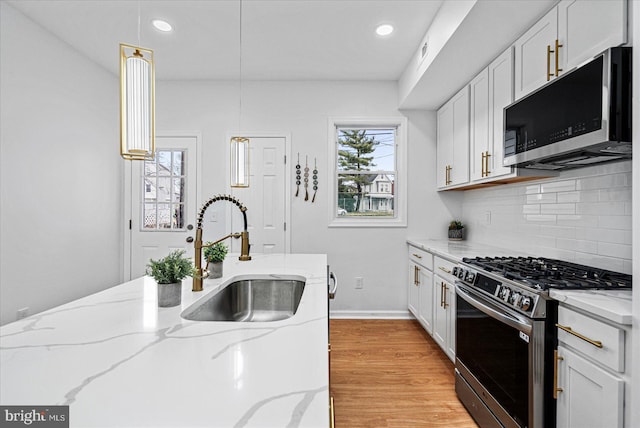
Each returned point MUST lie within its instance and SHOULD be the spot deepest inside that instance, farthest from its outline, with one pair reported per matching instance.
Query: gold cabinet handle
(447, 175)
(444, 296)
(442, 268)
(556, 389)
(416, 275)
(486, 164)
(441, 294)
(557, 51)
(417, 255)
(595, 343)
(549, 73)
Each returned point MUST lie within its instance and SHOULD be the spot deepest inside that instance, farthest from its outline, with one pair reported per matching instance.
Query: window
(164, 180)
(369, 174)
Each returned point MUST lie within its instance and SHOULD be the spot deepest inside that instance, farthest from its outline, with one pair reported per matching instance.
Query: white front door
(265, 198)
(163, 202)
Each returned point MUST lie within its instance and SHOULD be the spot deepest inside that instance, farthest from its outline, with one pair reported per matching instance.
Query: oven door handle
(507, 318)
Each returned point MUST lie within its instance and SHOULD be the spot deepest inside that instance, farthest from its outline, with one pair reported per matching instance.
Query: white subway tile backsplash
(583, 215)
(620, 251)
(558, 186)
(578, 245)
(615, 222)
(578, 220)
(542, 198)
(558, 209)
(601, 208)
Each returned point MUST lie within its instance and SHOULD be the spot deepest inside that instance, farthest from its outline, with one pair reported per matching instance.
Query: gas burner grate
(543, 273)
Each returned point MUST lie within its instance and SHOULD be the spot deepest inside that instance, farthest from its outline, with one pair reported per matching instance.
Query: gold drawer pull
(442, 268)
(417, 255)
(595, 343)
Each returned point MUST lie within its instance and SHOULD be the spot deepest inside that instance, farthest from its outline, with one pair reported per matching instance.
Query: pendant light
(240, 145)
(137, 101)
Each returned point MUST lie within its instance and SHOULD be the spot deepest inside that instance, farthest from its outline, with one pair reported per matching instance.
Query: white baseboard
(344, 314)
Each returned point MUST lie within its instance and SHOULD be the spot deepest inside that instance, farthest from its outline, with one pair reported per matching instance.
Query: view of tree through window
(366, 172)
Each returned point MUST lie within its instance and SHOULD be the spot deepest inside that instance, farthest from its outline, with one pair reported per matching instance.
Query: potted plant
(169, 273)
(456, 229)
(214, 254)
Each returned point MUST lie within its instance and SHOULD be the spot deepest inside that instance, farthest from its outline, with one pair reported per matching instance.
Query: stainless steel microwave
(577, 120)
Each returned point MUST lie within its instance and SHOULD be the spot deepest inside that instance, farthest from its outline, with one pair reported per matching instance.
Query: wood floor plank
(390, 373)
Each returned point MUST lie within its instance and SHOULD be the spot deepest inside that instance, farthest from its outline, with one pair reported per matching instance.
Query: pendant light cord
(240, 71)
(139, 11)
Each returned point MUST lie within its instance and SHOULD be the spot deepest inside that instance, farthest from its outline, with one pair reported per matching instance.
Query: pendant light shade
(137, 103)
(239, 162)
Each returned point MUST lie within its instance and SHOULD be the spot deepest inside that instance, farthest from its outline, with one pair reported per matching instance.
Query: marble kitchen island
(120, 361)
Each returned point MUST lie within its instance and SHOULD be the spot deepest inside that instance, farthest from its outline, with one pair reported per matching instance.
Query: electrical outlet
(487, 218)
(23, 313)
(359, 282)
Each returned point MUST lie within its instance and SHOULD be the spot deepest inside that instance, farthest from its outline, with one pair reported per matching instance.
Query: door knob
(190, 239)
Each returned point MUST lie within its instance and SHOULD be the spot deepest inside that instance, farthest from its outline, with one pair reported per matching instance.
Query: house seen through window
(366, 172)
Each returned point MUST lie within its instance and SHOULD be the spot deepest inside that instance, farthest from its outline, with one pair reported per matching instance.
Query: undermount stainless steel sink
(250, 300)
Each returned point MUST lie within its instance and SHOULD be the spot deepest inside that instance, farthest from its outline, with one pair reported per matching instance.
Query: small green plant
(456, 225)
(215, 253)
(171, 269)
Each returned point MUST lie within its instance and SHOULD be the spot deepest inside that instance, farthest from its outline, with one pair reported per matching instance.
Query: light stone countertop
(456, 250)
(120, 361)
(612, 305)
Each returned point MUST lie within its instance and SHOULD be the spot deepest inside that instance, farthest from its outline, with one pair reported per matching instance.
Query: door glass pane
(164, 162)
(164, 216)
(149, 216)
(164, 191)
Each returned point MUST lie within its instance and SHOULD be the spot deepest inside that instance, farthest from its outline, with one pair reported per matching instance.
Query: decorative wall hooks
(305, 181)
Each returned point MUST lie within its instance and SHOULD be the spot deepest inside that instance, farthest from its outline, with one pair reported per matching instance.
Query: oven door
(494, 346)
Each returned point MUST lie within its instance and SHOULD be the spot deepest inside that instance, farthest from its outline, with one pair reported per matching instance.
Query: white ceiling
(281, 39)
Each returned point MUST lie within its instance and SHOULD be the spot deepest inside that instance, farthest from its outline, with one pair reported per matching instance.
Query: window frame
(400, 184)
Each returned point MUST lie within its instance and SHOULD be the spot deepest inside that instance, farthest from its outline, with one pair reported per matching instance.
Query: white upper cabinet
(453, 141)
(533, 61)
(500, 73)
(491, 92)
(587, 28)
(479, 125)
(568, 35)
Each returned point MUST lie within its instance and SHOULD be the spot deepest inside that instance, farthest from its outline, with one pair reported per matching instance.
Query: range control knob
(455, 271)
(461, 273)
(515, 297)
(504, 293)
(525, 303)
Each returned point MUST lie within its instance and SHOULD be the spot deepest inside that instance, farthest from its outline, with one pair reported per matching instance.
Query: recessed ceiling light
(162, 25)
(384, 29)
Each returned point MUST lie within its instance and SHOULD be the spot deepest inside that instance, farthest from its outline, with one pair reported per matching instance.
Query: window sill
(360, 223)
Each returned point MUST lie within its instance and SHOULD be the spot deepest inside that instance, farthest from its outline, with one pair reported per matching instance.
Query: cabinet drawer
(444, 268)
(421, 257)
(600, 341)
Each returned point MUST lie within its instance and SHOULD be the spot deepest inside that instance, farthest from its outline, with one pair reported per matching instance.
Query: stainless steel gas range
(506, 335)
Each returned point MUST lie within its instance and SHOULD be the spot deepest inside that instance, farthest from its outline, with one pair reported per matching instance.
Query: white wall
(583, 215)
(302, 109)
(60, 169)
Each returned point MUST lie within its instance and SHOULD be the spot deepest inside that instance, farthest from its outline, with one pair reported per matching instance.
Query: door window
(164, 181)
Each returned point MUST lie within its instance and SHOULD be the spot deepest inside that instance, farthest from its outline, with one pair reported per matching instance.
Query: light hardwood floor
(390, 373)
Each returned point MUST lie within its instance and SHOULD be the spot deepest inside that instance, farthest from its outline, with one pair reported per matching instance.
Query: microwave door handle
(504, 317)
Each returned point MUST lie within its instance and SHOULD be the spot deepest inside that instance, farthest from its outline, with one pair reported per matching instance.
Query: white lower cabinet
(444, 316)
(589, 396)
(432, 297)
(420, 291)
(591, 372)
